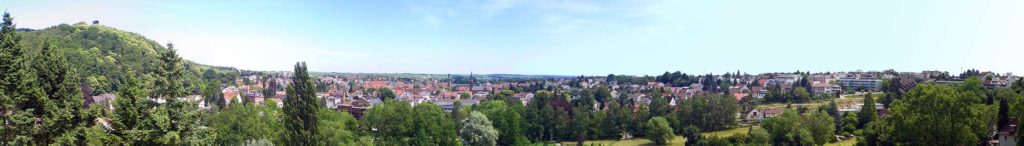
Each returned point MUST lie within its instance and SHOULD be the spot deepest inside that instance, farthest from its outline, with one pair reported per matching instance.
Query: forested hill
(100, 54)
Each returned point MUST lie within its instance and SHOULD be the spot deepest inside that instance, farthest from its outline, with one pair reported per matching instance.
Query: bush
(659, 130)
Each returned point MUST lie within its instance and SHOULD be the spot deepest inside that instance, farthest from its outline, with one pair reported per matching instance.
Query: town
(511, 73)
(761, 96)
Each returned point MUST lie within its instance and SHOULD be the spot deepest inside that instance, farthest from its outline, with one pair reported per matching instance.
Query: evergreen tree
(170, 71)
(300, 109)
(182, 123)
(19, 93)
(131, 104)
(62, 114)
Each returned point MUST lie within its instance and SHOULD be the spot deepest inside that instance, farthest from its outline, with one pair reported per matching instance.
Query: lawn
(730, 132)
(848, 142)
(678, 140)
(847, 101)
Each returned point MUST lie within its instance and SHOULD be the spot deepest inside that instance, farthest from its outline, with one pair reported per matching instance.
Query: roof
(739, 96)
(771, 111)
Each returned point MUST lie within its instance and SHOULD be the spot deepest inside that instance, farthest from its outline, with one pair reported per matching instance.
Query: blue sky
(567, 37)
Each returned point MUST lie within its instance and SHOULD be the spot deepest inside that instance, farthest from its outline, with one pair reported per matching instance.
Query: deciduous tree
(659, 131)
(477, 131)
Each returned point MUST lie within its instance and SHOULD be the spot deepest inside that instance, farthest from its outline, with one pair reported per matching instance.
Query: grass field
(679, 140)
(847, 101)
(848, 142)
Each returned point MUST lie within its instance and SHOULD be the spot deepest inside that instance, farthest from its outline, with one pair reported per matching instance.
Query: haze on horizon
(566, 37)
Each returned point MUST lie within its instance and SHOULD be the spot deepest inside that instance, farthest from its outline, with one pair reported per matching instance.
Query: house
(860, 81)
(824, 88)
(1007, 134)
(105, 100)
(857, 107)
(758, 91)
(761, 114)
(524, 97)
(740, 96)
(357, 107)
(230, 93)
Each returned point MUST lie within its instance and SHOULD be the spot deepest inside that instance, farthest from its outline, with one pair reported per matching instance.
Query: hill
(101, 54)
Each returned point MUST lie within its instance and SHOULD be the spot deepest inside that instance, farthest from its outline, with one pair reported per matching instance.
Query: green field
(679, 140)
(848, 142)
(849, 100)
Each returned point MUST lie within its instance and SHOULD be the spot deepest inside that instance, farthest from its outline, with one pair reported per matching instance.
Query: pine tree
(170, 72)
(62, 113)
(131, 104)
(181, 125)
(19, 95)
(300, 109)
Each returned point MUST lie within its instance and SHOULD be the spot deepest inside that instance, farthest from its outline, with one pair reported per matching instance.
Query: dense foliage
(790, 128)
(477, 130)
(659, 131)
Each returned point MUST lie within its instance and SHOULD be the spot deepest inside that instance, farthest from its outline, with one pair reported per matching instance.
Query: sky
(566, 37)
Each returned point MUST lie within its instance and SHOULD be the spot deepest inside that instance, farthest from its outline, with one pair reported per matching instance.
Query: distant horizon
(951, 73)
(529, 37)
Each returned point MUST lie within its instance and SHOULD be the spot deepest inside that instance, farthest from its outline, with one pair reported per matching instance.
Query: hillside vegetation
(100, 54)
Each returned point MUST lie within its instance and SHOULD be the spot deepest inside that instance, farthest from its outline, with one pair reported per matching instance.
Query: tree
(62, 110)
(1005, 97)
(397, 123)
(385, 94)
(170, 71)
(801, 94)
(867, 111)
(707, 111)
(941, 115)
(849, 124)
(876, 133)
(213, 95)
(478, 131)
(692, 134)
(432, 126)
(659, 131)
(507, 118)
(602, 95)
(392, 121)
(131, 117)
(300, 109)
(759, 137)
(243, 122)
(465, 95)
(617, 117)
(659, 105)
(337, 128)
(181, 125)
(19, 94)
(791, 128)
(821, 125)
(581, 123)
